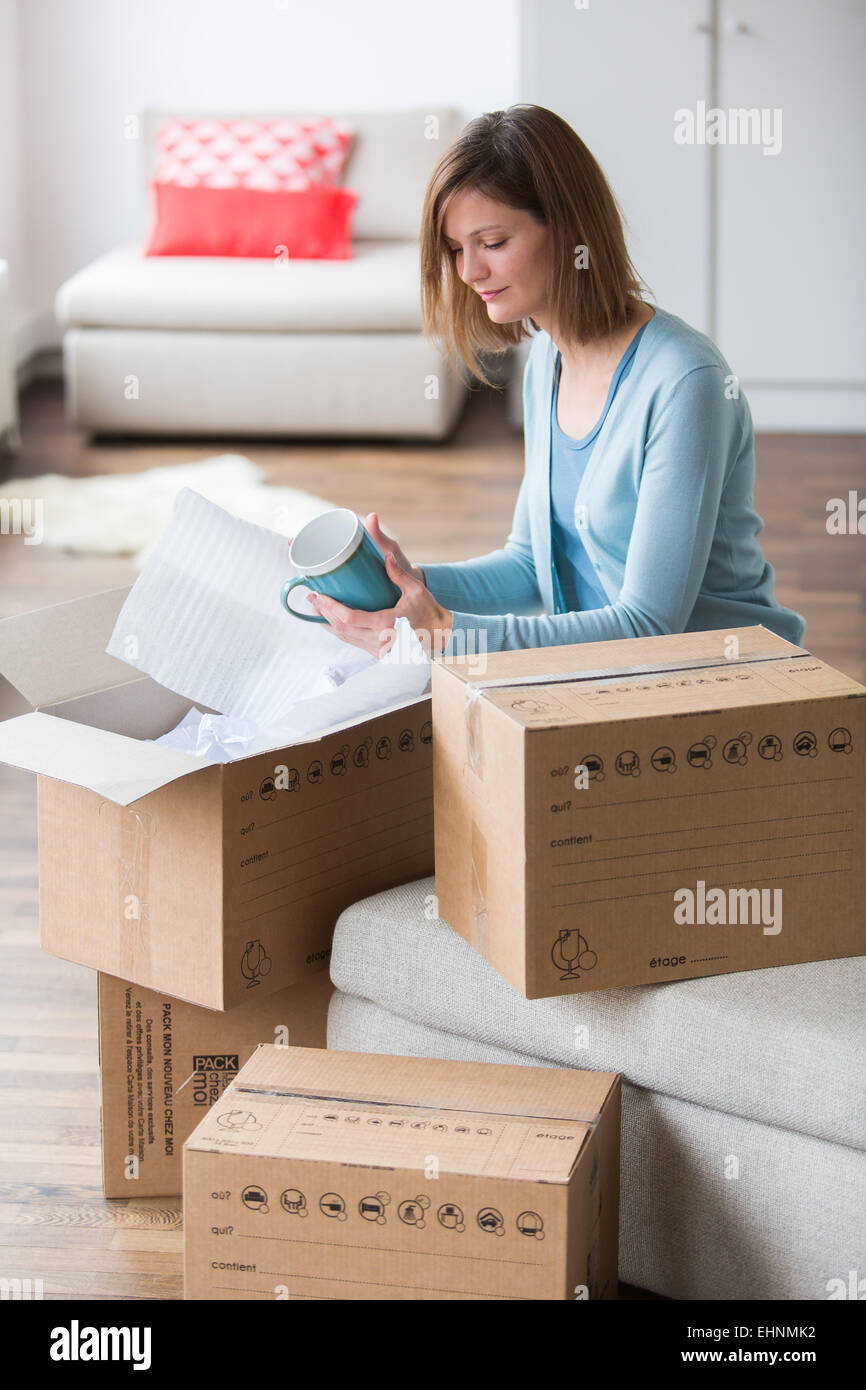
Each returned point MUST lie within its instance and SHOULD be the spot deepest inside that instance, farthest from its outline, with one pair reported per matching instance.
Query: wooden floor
(444, 502)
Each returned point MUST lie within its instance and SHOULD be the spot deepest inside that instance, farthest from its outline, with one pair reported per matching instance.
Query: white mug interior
(326, 541)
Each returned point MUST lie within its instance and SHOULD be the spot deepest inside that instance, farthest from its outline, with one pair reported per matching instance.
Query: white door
(617, 71)
(791, 283)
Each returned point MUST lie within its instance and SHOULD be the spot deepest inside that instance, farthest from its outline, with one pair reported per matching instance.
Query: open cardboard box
(620, 813)
(200, 880)
(349, 1175)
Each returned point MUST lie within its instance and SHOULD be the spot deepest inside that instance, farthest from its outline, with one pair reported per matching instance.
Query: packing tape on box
(473, 729)
(592, 1120)
(475, 689)
(699, 663)
(136, 830)
(480, 924)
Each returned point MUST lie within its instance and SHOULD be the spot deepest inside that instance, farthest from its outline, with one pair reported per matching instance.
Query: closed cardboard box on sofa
(192, 880)
(163, 1063)
(619, 813)
(351, 1176)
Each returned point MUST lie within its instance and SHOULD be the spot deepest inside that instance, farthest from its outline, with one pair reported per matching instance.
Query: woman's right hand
(386, 543)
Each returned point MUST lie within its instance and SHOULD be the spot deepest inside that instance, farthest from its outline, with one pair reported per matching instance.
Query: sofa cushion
(782, 1046)
(377, 290)
(389, 164)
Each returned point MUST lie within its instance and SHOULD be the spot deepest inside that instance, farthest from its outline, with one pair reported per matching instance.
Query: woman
(634, 517)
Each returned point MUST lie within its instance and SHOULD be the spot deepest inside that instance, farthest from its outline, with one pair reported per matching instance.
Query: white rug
(125, 513)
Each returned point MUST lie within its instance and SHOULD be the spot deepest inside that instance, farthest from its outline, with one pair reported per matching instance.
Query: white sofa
(743, 1171)
(222, 345)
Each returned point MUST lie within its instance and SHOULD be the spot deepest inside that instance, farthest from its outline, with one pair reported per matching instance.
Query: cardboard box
(352, 1176)
(619, 813)
(163, 1063)
(200, 882)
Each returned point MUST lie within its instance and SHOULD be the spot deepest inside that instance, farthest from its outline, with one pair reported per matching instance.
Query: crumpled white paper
(401, 674)
(204, 619)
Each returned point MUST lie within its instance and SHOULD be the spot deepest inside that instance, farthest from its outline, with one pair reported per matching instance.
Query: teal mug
(338, 557)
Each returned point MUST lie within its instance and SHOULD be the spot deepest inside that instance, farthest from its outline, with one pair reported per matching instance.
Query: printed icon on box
(490, 1220)
(267, 790)
(770, 748)
(255, 963)
(840, 741)
(594, 767)
(537, 704)
(484, 1131)
(255, 1198)
(333, 1205)
(383, 747)
(293, 780)
(373, 1208)
(361, 755)
(412, 1213)
(340, 761)
(406, 741)
(664, 760)
(736, 750)
(451, 1217)
(529, 1223)
(806, 744)
(294, 1202)
(315, 772)
(628, 763)
(237, 1119)
(419, 1124)
(570, 952)
(701, 753)
(426, 732)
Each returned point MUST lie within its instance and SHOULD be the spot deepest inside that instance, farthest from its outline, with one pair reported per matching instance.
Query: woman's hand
(374, 632)
(386, 543)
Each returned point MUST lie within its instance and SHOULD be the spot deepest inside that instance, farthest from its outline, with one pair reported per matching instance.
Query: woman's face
(500, 253)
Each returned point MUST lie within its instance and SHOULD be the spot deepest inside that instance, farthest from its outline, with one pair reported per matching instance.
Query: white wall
(88, 64)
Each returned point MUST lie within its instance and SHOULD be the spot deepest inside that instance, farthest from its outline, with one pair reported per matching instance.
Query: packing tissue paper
(204, 619)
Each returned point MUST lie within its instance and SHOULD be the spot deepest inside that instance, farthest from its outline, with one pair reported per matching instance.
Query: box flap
(485, 1087)
(55, 653)
(119, 768)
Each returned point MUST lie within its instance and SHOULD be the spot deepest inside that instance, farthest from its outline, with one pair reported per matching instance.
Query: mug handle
(284, 600)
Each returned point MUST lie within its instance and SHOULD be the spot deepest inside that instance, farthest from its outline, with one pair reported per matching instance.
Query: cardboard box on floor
(578, 789)
(200, 882)
(163, 1063)
(355, 1176)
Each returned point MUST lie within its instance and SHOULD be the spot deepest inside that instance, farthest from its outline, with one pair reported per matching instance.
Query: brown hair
(530, 159)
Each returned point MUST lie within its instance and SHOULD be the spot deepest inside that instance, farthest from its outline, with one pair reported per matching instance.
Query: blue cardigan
(668, 521)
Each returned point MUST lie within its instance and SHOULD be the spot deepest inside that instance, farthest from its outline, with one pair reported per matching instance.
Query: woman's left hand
(374, 632)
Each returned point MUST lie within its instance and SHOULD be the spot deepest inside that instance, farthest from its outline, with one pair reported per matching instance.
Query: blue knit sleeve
(690, 445)
(502, 582)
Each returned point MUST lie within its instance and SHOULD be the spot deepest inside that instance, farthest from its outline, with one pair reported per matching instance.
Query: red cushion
(314, 223)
